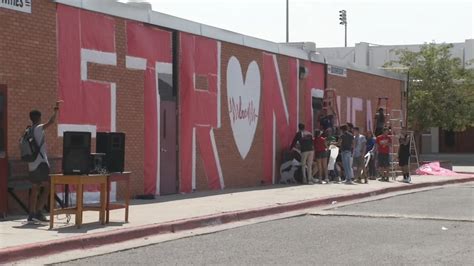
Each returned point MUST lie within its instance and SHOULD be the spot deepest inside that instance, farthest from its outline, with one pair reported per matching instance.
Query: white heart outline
(243, 91)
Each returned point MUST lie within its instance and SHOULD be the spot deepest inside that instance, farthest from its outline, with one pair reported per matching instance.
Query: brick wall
(238, 172)
(367, 87)
(130, 102)
(248, 171)
(28, 66)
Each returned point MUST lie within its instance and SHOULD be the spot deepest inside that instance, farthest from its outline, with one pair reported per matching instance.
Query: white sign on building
(18, 5)
(337, 71)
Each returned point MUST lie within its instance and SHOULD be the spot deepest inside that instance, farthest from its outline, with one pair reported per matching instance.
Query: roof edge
(118, 9)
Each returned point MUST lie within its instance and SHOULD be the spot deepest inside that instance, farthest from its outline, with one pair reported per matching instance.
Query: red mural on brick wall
(149, 49)
(88, 105)
(200, 110)
(91, 105)
(279, 117)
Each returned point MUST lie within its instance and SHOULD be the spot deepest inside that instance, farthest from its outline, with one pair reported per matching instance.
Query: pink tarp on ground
(434, 168)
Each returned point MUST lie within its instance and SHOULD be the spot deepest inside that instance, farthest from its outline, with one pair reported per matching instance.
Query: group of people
(345, 154)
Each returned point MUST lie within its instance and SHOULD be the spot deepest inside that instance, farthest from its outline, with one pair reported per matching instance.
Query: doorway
(168, 135)
(3, 151)
(317, 104)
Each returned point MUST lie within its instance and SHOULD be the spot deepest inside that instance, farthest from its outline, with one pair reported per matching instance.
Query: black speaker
(113, 145)
(76, 153)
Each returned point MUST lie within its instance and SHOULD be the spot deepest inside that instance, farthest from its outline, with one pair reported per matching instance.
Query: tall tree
(441, 90)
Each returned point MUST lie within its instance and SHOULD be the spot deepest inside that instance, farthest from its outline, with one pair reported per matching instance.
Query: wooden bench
(18, 179)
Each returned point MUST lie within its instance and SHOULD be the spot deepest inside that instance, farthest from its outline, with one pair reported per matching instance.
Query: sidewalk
(181, 212)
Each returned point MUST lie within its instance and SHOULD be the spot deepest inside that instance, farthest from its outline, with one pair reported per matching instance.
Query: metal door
(3, 151)
(168, 153)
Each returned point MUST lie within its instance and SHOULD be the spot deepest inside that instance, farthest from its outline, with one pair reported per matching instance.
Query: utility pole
(407, 97)
(343, 21)
(287, 21)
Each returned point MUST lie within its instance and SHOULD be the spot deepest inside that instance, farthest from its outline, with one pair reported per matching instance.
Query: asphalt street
(434, 227)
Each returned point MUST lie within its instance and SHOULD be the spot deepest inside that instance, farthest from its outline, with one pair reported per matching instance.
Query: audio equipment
(97, 161)
(76, 153)
(113, 145)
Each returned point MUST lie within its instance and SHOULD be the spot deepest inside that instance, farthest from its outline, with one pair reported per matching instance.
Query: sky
(383, 22)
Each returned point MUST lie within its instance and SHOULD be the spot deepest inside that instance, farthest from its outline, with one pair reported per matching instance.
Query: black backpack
(29, 148)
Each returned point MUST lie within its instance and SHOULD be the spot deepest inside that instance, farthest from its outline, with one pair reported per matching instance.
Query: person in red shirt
(384, 143)
(321, 156)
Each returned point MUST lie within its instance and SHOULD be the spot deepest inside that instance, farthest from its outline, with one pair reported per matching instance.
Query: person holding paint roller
(38, 164)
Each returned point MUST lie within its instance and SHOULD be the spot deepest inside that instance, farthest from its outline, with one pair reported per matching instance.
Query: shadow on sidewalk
(71, 228)
(62, 227)
(202, 194)
(26, 225)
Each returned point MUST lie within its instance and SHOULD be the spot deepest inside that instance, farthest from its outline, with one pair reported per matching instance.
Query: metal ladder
(413, 152)
(330, 104)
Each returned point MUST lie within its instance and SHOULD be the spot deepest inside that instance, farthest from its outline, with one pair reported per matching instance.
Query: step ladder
(413, 160)
(396, 118)
(330, 105)
(395, 123)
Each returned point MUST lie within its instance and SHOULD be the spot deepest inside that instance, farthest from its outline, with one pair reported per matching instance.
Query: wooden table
(118, 177)
(79, 181)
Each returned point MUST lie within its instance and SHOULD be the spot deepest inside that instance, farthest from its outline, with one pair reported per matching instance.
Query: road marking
(389, 216)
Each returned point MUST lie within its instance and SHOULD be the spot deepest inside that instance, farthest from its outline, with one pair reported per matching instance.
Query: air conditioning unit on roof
(139, 3)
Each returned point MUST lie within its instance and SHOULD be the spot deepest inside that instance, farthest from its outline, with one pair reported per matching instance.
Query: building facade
(202, 108)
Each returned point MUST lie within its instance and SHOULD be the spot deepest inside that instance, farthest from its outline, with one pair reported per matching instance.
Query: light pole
(343, 21)
(287, 21)
(408, 96)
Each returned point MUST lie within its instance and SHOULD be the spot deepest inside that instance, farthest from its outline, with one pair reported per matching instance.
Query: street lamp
(343, 21)
(287, 21)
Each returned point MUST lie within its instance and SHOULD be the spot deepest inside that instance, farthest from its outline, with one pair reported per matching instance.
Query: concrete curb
(98, 239)
(466, 173)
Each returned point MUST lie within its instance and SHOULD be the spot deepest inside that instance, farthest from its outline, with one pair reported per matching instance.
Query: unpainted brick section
(367, 87)
(28, 66)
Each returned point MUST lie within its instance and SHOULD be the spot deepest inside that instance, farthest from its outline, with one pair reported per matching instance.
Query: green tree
(441, 90)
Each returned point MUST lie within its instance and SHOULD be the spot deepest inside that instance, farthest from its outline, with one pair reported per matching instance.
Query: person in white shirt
(360, 147)
(39, 169)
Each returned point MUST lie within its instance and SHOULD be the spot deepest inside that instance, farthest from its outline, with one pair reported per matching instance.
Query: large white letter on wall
(89, 105)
